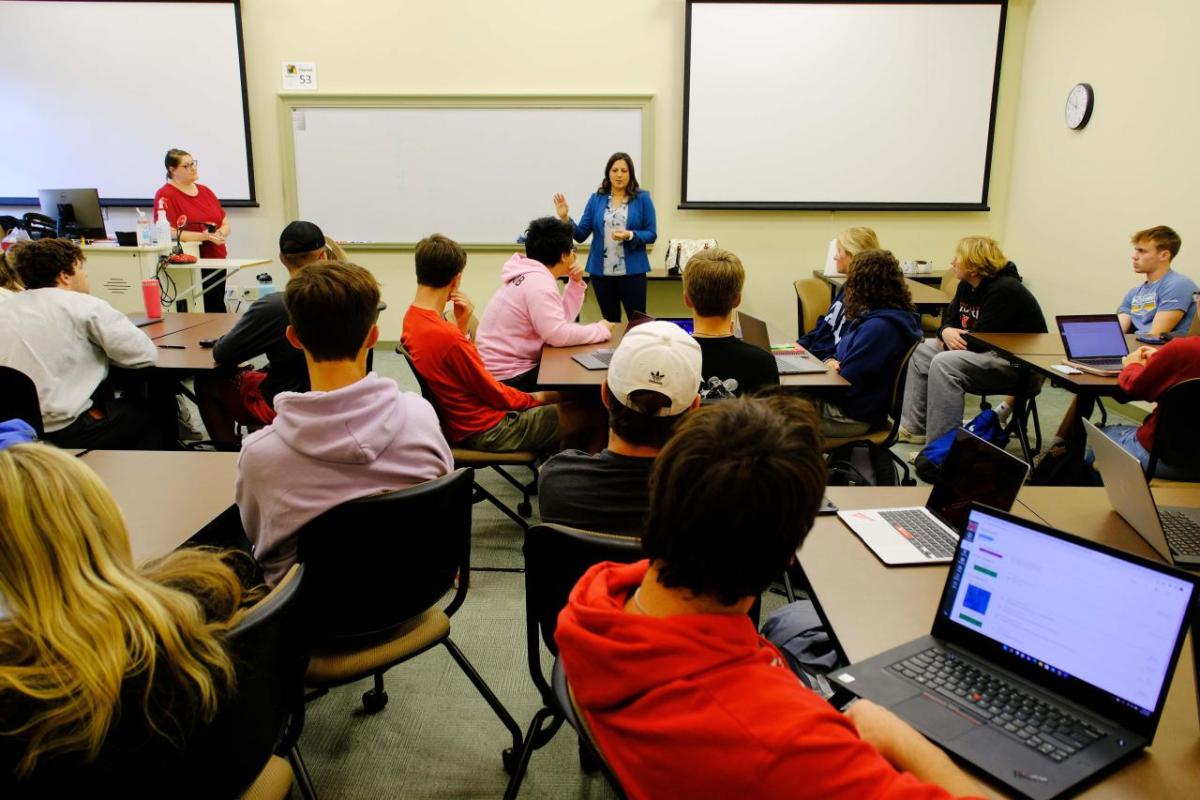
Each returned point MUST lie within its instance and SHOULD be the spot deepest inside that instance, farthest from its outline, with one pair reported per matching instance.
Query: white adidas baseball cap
(660, 357)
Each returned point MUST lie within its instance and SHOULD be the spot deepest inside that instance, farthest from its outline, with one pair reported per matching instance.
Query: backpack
(861, 465)
(986, 426)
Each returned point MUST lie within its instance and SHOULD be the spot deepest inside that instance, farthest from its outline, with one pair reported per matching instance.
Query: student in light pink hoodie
(527, 311)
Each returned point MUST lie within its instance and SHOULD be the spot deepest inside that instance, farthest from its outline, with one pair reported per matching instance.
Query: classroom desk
(871, 608)
(173, 323)
(166, 497)
(1041, 352)
(1015, 345)
(927, 299)
(928, 278)
(558, 371)
(181, 350)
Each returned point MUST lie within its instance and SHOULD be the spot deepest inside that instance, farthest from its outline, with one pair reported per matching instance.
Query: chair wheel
(509, 758)
(374, 701)
(525, 508)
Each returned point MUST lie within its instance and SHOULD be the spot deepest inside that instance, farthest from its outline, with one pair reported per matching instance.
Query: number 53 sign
(299, 76)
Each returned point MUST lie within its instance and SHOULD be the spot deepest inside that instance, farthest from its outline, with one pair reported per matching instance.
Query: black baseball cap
(300, 237)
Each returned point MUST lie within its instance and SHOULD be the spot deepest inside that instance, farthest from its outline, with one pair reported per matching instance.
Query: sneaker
(1003, 413)
(905, 436)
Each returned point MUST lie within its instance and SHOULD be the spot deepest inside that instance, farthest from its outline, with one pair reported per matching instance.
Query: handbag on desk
(679, 251)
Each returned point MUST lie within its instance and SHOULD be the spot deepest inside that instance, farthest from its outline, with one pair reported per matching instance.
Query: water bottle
(266, 284)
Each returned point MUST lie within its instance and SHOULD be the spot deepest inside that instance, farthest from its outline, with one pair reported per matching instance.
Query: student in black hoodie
(990, 299)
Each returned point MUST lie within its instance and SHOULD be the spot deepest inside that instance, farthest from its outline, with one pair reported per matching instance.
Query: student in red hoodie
(683, 696)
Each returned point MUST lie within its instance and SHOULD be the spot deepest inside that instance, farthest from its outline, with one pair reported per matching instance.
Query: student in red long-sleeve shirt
(1149, 372)
(475, 409)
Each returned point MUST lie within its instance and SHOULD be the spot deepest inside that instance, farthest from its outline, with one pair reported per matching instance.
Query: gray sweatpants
(938, 379)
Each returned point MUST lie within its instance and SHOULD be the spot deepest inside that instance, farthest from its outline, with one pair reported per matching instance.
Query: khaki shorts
(531, 429)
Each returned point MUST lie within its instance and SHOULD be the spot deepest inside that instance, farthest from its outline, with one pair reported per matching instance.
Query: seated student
(10, 281)
(880, 325)
(1165, 302)
(475, 409)
(822, 340)
(99, 657)
(1148, 373)
(712, 288)
(651, 383)
(527, 311)
(682, 695)
(64, 340)
(247, 396)
(990, 299)
(352, 435)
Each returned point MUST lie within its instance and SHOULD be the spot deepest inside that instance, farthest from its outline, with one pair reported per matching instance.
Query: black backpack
(862, 465)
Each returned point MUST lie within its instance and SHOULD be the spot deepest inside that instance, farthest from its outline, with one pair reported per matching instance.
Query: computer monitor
(76, 212)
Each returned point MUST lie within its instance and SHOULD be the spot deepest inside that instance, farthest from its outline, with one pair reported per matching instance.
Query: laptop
(1036, 670)
(141, 320)
(1094, 343)
(974, 470)
(754, 331)
(1173, 531)
(599, 359)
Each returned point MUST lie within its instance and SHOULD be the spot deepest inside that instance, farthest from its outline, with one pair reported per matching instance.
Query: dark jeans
(525, 382)
(214, 296)
(614, 291)
(124, 427)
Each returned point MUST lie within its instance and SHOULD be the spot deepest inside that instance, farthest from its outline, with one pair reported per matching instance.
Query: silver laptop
(1048, 660)
(599, 359)
(1173, 531)
(974, 470)
(754, 331)
(1094, 343)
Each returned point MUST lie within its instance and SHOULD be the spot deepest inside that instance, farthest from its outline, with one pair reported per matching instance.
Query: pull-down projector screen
(883, 105)
(97, 92)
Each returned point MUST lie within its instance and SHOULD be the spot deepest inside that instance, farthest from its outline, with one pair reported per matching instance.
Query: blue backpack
(986, 426)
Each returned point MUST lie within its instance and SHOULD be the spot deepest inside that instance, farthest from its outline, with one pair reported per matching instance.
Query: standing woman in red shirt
(206, 220)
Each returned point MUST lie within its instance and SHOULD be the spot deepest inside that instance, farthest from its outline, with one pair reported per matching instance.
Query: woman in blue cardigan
(623, 215)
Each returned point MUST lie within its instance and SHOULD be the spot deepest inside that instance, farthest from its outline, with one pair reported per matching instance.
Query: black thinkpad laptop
(1049, 658)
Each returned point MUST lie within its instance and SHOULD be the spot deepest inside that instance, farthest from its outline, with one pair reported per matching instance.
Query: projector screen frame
(982, 205)
(252, 200)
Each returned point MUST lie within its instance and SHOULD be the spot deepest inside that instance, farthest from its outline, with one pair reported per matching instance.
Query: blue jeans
(1126, 436)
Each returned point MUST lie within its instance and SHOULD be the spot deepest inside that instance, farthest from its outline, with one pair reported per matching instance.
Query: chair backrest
(897, 404)
(812, 301)
(19, 399)
(376, 562)
(472, 323)
(426, 392)
(222, 759)
(556, 557)
(1176, 435)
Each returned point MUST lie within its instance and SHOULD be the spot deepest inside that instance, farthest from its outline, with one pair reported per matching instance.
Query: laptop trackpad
(933, 718)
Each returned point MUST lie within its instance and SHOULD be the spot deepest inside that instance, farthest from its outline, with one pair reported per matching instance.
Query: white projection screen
(883, 105)
(97, 92)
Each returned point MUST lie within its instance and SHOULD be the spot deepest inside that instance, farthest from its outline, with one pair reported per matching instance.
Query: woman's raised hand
(560, 207)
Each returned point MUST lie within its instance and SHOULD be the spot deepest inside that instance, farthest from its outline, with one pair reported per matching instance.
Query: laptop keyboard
(1183, 534)
(1052, 731)
(1101, 363)
(926, 535)
(783, 363)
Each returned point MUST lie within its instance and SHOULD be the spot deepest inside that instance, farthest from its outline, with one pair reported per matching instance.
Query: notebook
(974, 470)
(1036, 671)
(1094, 343)
(754, 331)
(1173, 531)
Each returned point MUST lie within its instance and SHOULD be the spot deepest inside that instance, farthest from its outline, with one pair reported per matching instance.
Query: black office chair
(1176, 434)
(555, 558)
(376, 568)
(236, 754)
(474, 459)
(19, 399)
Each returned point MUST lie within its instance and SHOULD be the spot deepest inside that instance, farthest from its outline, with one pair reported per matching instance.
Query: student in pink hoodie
(352, 435)
(527, 311)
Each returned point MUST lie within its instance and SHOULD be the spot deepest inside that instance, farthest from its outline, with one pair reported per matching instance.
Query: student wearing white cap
(653, 380)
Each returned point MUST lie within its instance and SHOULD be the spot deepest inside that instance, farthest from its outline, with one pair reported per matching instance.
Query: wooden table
(174, 322)
(180, 350)
(166, 497)
(558, 371)
(928, 278)
(1041, 352)
(926, 298)
(871, 607)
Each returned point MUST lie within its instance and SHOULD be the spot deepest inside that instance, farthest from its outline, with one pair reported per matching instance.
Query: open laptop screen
(1096, 336)
(975, 471)
(1070, 610)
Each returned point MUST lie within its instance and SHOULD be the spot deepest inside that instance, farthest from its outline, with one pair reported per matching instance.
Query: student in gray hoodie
(351, 436)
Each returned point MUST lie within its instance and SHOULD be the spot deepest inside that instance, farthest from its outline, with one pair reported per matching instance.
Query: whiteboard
(96, 93)
(840, 105)
(479, 174)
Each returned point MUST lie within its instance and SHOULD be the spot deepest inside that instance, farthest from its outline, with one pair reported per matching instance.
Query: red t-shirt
(1176, 361)
(469, 399)
(202, 210)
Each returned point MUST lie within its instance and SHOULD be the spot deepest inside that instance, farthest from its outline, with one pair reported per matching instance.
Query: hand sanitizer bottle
(162, 228)
(143, 229)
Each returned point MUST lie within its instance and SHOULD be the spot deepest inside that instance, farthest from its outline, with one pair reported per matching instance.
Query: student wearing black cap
(234, 395)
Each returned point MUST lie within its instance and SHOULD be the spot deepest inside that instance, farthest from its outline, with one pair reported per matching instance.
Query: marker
(173, 346)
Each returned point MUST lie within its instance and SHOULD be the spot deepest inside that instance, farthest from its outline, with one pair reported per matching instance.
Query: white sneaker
(1003, 413)
(905, 436)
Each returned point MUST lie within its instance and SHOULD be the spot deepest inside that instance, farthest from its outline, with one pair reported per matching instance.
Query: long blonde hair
(82, 619)
(856, 240)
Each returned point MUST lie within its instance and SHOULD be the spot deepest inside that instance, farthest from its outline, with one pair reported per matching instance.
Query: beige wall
(1077, 195)
(551, 47)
